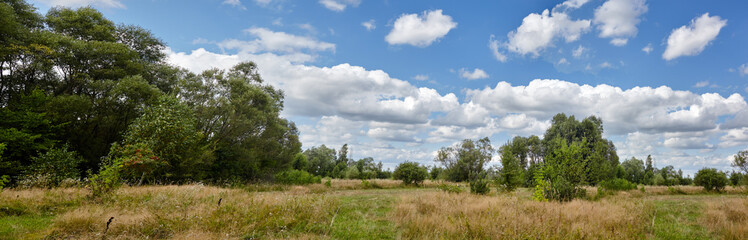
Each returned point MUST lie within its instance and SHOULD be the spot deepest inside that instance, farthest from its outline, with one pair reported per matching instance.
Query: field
(378, 209)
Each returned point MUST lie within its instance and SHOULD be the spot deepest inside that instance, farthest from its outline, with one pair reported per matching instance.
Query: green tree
(321, 161)
(633, 170)
(710, 179)
(466, 160)
(740, 161)
(55, 165)
(410, 173)
(510, 175)
(300, 162)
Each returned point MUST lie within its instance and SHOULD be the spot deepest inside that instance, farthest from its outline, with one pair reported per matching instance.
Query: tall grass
(192, 211)
(439, 215)
(728, 217)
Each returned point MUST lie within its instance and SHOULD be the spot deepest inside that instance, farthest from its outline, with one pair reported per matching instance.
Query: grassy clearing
(349, 209)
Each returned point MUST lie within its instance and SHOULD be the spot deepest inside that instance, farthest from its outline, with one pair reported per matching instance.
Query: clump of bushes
(479, 186)
(711, 179)
(450, 188)
(51, 168)
(296, 177)
(410, 173)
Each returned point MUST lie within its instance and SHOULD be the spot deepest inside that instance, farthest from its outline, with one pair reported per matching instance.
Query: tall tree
(466, 160)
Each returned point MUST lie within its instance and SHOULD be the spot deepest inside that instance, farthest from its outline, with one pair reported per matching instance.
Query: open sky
(397, 80)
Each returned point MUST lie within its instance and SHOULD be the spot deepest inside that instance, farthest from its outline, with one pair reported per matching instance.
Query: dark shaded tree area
(74, 80)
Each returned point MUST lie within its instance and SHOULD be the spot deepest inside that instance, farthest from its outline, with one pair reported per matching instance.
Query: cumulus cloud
(617, 19)
(421, 77)
(644, 109)
(648, 49)
(743, 69)
(577, 52)
(475, 74)
(82, 3)
(493, 44)
(420, 30)
(538, 31)
(369, 25)
(267, 40)
(339, 5)
(692, 39)
(235, 3)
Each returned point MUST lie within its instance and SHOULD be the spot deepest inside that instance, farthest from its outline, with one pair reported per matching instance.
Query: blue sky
(397, 80)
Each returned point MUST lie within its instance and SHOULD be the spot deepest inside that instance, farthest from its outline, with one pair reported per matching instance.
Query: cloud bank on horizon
(396, 81)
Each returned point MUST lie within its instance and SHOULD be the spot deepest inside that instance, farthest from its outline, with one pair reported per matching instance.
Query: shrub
(108, 179)
(450, 188)
(296, 177)
(54, 166)
(559, 189)
(366, 184)
(410, 173)
(352, 173)
(479, 186)
(510, 175)
(4, 179)
(617, 184)
(328, 182)
(710, 179)
(138, 160)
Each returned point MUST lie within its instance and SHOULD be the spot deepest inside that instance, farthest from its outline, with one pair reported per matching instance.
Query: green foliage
(740, 161)
(469, 158)
(633, 170)
(54, 166)
(435, 173)
(617, 184)
(510, 174)
(737, 178)
(328, 182)
(410, 173)
(322, 161)
(479, 186)
(300, 162)
(138, 161)
(450, 188)
(711, 179)
(108, 179)
(296, 177)
(4, 179)
(352, 173)
(168, 129)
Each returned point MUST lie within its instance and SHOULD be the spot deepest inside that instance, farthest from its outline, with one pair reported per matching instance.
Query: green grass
(678, 219)
(24, 227)
(364, 216)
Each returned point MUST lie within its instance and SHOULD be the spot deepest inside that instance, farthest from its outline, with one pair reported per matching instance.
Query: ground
(381, 209)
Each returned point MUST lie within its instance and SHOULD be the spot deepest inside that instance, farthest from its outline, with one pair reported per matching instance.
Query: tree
(300, 162)
(55, 165)
(740, 161)
(168, 129)
(633, 170)
(410, 173)
(466, 160)
(509, 176)
(649, 171)
(321, 161)
(710, 179)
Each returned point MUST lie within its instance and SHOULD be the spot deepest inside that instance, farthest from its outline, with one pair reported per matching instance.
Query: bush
(479, 186)
(410, 173)
(54, 166)
(296, 177)
(710, 179)
(560, 189)
(108, 179)
(617, 184)
(450, 188)
(352, 173)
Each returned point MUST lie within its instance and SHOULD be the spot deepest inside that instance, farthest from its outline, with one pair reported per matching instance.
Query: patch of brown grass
(727, 217)
(39, 201)
(192, 212)
(508, 216)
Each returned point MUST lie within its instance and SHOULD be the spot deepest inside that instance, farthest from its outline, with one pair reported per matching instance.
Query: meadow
(375, 209)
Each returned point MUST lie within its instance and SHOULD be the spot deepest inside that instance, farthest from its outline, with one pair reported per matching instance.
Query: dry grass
(728, 217)
(665, 190)
(509, 216)
(39, 201)
(192, 212)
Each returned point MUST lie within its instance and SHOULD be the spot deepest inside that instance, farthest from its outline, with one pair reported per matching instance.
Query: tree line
(79, 93)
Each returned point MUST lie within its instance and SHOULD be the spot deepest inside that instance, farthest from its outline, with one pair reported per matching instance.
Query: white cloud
(735, 137)
(644, 109)
(648, 49)
(369, 25)
(573, 4)
(538, 31)
(701, 84)
(308, 27)
(577, 53)
(235, 3)
(606, 65)
(83, 3)
(493, 44)
(743, 69)
(617, 19)
(421, 77)
(200, 59)
(692, 39)
(420, 31)
(562, 61)
(278, 22)
(475, 74)
(339, 5)
(268, 40)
